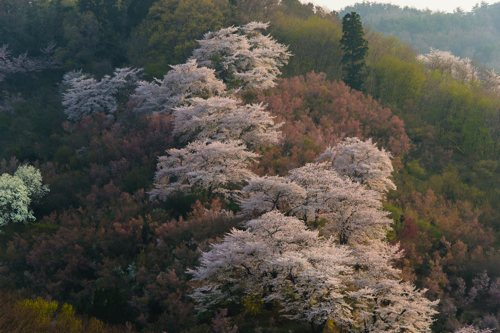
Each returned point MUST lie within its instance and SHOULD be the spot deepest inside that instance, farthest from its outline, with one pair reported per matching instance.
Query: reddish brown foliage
(444, 247)
(318, 113)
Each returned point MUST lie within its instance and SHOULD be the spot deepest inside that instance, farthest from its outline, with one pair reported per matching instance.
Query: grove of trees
(212, 173)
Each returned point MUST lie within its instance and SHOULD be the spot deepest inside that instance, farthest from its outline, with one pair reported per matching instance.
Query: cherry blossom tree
(218, 167)
(463, 70)
(491, 80)
(268, 193)
(444, 61)
(353, 218)
(243, 56)
(85, 95)
(354, 214)
(278, 258)
(224, 118)
(381, 301)
(393, 306)
(439, 60)
(182, 83)
(23, 64)
(362, 162)
(351, 213)
(300, 194)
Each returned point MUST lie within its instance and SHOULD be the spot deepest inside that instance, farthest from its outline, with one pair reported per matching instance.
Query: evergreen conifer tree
(354, 47)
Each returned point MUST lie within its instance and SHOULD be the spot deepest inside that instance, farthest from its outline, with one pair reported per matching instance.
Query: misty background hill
(474, 34)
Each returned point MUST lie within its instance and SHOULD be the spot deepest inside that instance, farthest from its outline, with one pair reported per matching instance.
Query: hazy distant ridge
(474, 34)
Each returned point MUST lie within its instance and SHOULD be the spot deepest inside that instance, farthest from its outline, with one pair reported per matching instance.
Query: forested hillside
(469, 34)
(180, 166)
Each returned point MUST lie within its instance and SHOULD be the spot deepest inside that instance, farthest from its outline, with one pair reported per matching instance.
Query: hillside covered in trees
(180, 166)
(473, 34)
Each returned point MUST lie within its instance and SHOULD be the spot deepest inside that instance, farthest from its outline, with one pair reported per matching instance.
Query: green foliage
(44, 311)
(394, 212)
(137, 178)
(415, 169)
(433, 231)
(109, 305)
(43, 316)
(253, 304)
(473, 34)
(18, 192)
(14, 200)
(32, 179)
(396, 81)
(168, 34)
(354, 48)
(314, 43)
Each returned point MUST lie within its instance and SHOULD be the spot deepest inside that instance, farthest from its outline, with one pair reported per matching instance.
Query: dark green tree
(354, 48)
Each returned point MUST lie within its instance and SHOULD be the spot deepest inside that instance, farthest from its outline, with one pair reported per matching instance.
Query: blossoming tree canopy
(225, 118)
(23, 64)
(32, 179)
(280, 258)
(181, 83)
(350, 212)
(85, 95)
(243, 56)
(362, 162)
(268, 193)
(445, 62)
(218, 167)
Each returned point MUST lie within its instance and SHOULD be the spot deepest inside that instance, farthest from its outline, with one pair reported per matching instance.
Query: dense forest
(473, 34)
(180, 166)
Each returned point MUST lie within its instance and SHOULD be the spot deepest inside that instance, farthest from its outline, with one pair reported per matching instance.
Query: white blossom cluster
(491, 80)
(243, 54)
(217, 128)
(23, 64)
(444, 61)
(361, 162)
(223, 119)
(18, 192)
(278, 257)
(218, 167)
(313, 193)
(340, 269)
(182, 83)
(461, 69)
(248, 59)
(85, 95)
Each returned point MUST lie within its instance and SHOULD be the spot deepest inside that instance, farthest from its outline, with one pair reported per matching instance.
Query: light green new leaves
(32, 178)
(17, 192)
(14, 200)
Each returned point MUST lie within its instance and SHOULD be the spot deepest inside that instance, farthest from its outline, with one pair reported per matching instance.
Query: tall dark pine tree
(354, 47)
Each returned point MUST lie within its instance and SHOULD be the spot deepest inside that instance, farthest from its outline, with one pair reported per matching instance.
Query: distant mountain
(474, 34)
